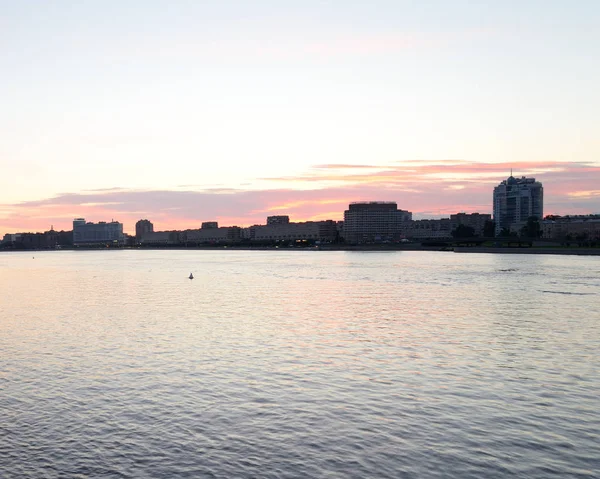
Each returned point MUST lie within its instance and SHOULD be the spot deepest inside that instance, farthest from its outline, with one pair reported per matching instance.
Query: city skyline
(233, 110)
(246, 207)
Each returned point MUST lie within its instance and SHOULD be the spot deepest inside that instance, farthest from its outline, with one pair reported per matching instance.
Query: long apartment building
(430, 229)
(576, 226)
(283, 230)
(372, 221)
(277, 229)
(88, 233)
(442, 228)
(160, 238)
(476, 221)
(209, 233)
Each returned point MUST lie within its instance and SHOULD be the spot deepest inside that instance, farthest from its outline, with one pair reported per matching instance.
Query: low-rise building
(11, 238)
(571, 227)
(50, 239)
(160, 238)
(476, 221)
(309, 230)
(210, 235)
(430, 229)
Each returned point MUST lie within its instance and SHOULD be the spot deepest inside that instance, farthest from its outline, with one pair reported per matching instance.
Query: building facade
(209, 225)
(87, 233)
(278, 220)
(47, 240)
(142, 227)
(160, 238)
(210, 235)
(374, 221)
(515, 200)
(583, 227)
(430, 229)
(11, 238)
(305, 231)
(476, 221)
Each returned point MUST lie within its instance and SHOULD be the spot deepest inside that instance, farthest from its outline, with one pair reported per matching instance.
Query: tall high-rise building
(142, 227)
(516, 200)
(367, 222)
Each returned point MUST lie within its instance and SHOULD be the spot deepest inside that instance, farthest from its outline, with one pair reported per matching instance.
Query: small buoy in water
(191, 276)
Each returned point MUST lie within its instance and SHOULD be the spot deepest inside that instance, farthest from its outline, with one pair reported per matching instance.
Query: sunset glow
(428, 190)
(232, 111)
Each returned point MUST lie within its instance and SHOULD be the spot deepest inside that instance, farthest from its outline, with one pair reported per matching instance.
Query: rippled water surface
(298, 364)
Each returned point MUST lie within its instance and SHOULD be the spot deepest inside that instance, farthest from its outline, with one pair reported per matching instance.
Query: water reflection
(287, 364)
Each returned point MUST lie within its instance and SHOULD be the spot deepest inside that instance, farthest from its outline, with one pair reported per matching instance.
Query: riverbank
(531, 250)
(555, 250)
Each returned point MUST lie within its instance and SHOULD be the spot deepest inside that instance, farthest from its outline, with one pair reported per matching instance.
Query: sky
(190, 111)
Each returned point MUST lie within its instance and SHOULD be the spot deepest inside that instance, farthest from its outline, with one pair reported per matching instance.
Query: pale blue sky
(157, 94)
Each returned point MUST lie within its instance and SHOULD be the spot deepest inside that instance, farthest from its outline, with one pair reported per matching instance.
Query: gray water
(298, 364)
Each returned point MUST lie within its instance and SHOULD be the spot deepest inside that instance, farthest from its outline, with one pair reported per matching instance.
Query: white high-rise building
(516, 200)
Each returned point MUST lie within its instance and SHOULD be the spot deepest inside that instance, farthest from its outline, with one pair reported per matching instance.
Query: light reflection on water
(298, 364)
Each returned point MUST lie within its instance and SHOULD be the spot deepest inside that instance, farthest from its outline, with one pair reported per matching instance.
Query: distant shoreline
(578, 251)
(531, 250)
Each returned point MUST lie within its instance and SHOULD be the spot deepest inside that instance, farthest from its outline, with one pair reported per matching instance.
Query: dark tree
(532, 229)
(463, 231)
(582, 239)
(505, 232)
(489, 228)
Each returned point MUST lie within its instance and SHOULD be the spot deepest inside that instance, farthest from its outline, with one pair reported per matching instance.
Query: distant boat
(191, 276)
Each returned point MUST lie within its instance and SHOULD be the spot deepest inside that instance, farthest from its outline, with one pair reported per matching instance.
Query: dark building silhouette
(50, 239)
(278, 220)
(367, 222)
(476, 221)
(142, 227)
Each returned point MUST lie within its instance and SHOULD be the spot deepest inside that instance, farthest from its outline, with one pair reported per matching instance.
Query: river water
(298, 364)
